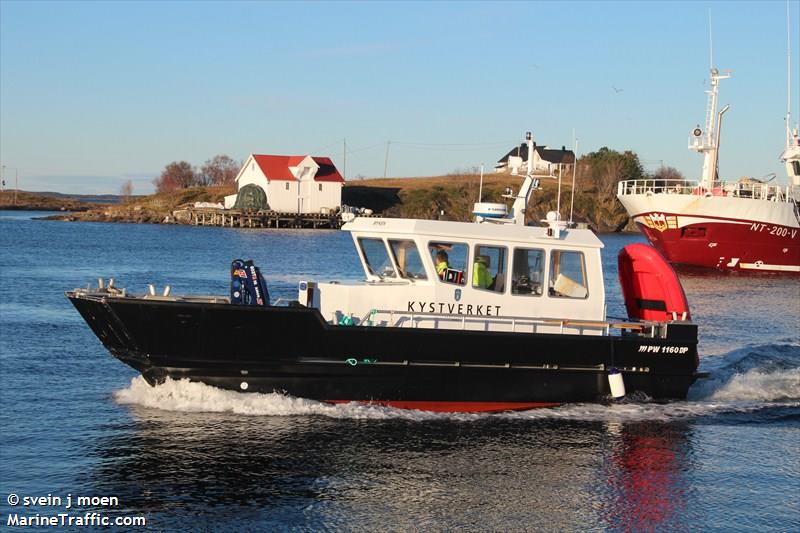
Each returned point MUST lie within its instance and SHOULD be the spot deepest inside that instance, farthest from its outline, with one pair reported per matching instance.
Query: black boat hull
(294, 351)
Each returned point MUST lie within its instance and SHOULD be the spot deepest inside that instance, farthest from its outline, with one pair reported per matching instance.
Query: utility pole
(480, 187)
(386, 161)
(344, 156)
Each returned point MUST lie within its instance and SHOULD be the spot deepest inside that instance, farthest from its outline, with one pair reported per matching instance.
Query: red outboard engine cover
(651, 289)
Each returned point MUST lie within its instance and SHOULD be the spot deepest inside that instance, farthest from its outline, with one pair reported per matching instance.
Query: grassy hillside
(32, 201)
(456, 194)
(154, 208)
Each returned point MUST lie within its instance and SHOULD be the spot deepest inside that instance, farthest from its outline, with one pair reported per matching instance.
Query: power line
(474, 145)
(447, 147)
(370, 147)
(440, 148)
(326, 147)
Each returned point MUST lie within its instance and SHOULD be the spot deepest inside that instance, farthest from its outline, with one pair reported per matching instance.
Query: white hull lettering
(649, 348)
(454, 309)
(778, 231)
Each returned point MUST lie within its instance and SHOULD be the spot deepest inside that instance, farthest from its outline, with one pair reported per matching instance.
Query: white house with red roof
(292, 183)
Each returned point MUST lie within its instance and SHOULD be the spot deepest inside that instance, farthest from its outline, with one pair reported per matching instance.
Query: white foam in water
(742, 393)
(186, 396)
(753, 385)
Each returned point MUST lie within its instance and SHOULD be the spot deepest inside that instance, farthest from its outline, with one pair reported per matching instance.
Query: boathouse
(287, 184)
(545, 160)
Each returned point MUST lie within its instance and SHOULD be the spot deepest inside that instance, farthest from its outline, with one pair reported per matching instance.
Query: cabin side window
(450, 261)
(567, 275)
(407, 258)
(489, 268)
(376, 257)
(527, 274)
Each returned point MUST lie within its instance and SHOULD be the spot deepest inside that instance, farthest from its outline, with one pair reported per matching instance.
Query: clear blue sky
(95, 93)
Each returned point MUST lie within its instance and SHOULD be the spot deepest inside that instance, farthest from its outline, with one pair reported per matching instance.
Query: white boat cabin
(457, 275)
(496, 274)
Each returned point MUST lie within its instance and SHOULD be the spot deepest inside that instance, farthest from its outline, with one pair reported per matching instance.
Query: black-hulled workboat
(452, 316)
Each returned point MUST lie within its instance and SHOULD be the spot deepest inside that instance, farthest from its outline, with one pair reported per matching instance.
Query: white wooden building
(545, 160)
(292, 184)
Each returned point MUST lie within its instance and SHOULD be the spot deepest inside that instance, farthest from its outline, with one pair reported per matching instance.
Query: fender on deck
(650, 286)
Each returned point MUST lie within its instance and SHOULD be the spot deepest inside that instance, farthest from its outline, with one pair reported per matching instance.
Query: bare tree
(126, 191)
(668, 173)
(176, 175)
(219, 170)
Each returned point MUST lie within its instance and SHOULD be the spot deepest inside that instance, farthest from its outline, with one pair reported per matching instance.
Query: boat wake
(747, 380)
(768, 372)
(186, 396)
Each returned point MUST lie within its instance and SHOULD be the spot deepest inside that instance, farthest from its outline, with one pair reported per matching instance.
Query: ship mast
(530, 183)
(706, 141)
(791, 154)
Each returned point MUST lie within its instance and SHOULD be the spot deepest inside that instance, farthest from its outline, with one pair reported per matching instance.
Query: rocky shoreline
(443, 197)
(29, 201)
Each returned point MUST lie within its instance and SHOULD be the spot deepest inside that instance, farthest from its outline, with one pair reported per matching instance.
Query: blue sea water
(73, 420)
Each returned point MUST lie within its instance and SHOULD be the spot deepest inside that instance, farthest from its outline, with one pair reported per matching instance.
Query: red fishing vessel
(749, 225)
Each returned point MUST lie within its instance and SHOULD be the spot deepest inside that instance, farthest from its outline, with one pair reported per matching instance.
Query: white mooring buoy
(616, 383)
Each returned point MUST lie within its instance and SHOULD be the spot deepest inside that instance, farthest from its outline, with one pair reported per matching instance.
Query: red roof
(327, 170)
(276, 167)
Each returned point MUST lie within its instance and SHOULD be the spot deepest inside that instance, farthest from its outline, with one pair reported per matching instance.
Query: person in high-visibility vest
(441, 263)
(481, 277)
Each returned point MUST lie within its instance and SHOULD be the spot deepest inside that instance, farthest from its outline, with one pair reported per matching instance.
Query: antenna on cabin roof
(529, 141)
(574, 170)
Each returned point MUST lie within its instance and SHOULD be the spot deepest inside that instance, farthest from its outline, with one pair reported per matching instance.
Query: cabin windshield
(489, 270)
(376, 257)
(406, 256)
(450, 260)
(568, 275)
(528, 272)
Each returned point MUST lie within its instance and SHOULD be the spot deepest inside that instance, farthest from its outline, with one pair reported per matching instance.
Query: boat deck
(410, 319)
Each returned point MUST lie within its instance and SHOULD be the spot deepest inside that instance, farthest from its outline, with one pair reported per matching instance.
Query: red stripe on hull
(456, 407)
(727, 246)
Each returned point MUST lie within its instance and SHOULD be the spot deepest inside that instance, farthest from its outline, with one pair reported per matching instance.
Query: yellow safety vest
(481, 277)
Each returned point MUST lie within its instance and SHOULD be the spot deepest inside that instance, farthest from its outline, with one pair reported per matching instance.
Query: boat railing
(512, 324)
(741, 189)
